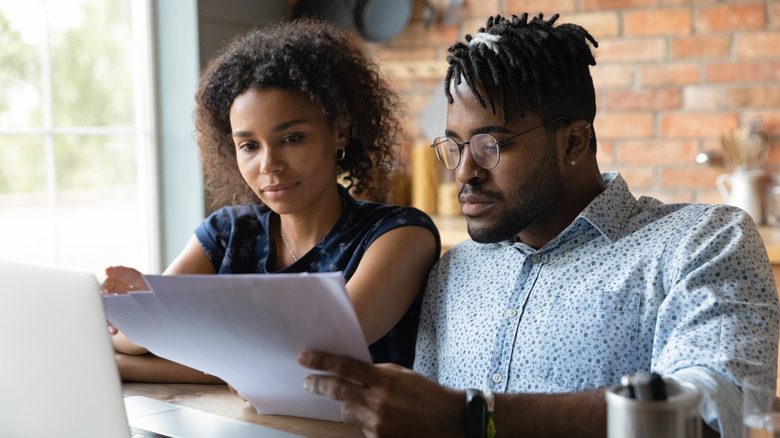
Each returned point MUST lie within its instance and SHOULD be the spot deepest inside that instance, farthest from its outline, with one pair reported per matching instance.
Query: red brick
(736, 72)
(605, 151)
(630, 50)
(533, 7)
(641, 100)
(770, 121)
(709, 197)
(690, 176)
(616, 4)
(616, 125)
(429, 86)
(658, 152)
(470, 26)
(774, 154)
(672, 196)
(416, 35)
(401, 86)
(698, 125)
(610, 76)
(731, 17)
(700, 47)
(660, 22)
(387, 54)
(479, 8)
(755, 97)
(758, 45)
(774, 15)
(703, 97)
(669, 74)
(670, 2)
(638, 177)
(598, 24)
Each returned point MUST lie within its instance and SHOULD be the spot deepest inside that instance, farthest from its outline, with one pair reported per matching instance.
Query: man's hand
(386, 400)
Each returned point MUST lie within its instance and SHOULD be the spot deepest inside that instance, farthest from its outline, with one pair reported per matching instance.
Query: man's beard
(541, 190)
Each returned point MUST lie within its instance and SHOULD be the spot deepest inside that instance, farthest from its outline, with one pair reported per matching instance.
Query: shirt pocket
(591, 340)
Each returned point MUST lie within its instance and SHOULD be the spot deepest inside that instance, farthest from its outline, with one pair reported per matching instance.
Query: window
(77, 163)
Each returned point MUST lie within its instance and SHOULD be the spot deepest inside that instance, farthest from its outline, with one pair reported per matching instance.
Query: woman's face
(285, 149)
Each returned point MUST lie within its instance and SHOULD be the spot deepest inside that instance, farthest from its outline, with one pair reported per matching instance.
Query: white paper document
(248, 330)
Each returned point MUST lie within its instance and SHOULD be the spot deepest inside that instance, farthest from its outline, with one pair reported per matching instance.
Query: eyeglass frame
(460, 144)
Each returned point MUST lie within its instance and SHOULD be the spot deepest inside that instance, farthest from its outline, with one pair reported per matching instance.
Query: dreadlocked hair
(324, 65)
(544, 69)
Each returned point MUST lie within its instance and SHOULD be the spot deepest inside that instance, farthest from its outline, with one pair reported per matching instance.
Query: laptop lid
(57, 370)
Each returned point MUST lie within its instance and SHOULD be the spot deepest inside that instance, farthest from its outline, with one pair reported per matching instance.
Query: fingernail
(304, 358)
(307, 385)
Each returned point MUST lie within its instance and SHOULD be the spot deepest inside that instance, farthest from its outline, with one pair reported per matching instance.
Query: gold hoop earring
(340, 154)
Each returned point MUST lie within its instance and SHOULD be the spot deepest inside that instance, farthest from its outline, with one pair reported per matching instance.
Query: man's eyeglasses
(484, 148)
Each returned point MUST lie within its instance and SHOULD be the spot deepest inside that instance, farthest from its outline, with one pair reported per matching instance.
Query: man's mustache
(476, 190)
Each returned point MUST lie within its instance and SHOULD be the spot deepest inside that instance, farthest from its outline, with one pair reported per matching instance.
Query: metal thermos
(644, 407)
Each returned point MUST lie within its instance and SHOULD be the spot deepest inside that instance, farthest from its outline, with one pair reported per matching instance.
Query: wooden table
(217, 399)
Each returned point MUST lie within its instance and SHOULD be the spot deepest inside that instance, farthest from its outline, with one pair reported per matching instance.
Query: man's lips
(474, 205)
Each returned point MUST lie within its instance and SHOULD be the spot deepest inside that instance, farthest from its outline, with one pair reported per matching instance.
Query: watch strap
(476, 413)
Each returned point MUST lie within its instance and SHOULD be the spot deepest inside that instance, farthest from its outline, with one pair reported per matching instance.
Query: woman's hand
(121, 279)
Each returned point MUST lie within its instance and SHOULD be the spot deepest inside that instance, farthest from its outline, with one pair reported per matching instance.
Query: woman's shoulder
(232, 215)
(383, 212)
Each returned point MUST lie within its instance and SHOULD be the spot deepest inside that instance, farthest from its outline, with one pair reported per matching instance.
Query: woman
(283, 115)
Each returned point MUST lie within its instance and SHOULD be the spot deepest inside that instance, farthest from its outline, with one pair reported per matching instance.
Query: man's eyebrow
(279, 127)
(481, 130)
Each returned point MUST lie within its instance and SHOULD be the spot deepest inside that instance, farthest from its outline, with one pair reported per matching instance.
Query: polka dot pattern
(631, 285)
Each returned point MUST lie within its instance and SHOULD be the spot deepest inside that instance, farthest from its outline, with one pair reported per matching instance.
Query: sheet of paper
(247, 330)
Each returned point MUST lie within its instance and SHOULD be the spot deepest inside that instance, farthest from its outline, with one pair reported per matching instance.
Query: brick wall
(671, 77)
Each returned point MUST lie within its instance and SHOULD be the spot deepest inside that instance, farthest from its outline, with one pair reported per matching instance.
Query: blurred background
(98, 161)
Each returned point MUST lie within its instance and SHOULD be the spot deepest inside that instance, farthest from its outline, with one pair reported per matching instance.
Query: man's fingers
(342, 366)
(335, 388)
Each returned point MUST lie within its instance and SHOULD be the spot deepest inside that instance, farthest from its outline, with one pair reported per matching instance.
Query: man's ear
(579, 134)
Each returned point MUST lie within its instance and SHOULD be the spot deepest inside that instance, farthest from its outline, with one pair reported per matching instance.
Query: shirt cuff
(721, 401)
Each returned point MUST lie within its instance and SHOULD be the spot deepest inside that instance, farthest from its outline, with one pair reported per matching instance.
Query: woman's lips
(278, 191)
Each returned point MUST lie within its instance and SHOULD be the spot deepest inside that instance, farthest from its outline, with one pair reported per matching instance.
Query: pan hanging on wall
(373, 20)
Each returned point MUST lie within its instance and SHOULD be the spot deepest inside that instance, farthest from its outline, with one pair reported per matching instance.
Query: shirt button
(511, 313)
(536, 258)
(497, 377)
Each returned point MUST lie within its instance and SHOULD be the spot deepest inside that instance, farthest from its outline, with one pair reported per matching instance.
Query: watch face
(380, 20)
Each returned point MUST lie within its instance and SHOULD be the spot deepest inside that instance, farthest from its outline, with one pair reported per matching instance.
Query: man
(569, 282)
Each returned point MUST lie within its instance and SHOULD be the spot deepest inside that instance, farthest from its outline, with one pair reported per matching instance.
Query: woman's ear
(579, 136)
(341, 140)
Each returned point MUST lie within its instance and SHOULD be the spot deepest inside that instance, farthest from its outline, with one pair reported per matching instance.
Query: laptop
(58, 377)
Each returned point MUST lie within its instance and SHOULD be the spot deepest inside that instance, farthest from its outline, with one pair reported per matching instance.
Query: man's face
(517, 194)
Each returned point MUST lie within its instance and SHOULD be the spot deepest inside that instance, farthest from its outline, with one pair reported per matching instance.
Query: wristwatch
(476, 414)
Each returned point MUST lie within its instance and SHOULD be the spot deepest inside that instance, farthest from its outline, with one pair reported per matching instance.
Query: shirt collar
(609, 211)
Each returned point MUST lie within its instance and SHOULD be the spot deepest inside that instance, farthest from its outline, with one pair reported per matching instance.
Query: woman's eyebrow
(279, 127)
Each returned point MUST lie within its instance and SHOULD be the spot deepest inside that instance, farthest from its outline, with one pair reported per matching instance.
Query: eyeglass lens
(483, 147)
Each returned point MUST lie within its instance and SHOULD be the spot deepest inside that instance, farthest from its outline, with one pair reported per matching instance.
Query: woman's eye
(247, 146)
(292, 139)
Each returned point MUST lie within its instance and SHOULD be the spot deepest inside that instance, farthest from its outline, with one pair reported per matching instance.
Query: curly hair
(324, 65)
(545, 68)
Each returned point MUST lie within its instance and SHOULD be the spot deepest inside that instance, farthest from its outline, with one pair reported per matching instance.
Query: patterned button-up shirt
(684, 290)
